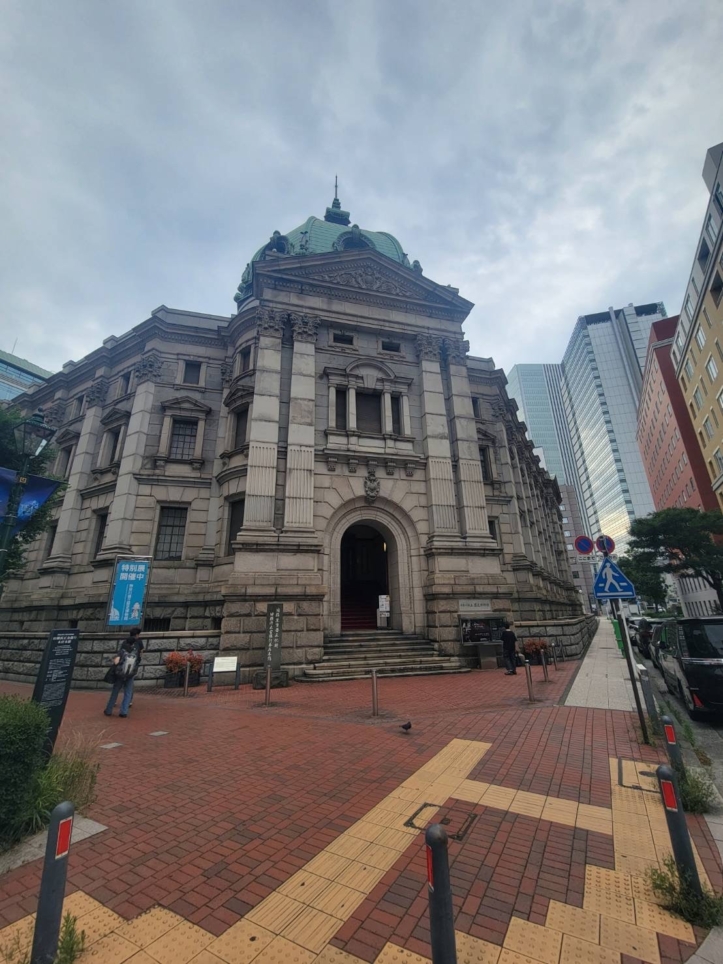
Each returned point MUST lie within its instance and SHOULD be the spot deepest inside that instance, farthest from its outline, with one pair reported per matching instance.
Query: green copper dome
(321, 236)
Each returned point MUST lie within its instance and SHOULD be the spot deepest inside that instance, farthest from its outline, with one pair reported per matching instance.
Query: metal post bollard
(554, 654)
(52, 885)
(678, 828)
(267, 698)
(185, 680)
(375, 694)
(441, 912)
(647, 687)
(672, 745)
(528, 674)
(543, 660)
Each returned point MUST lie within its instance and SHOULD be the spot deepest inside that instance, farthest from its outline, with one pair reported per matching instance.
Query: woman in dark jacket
(123, 672)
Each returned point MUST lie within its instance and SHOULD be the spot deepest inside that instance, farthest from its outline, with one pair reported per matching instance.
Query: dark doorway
(363, 577)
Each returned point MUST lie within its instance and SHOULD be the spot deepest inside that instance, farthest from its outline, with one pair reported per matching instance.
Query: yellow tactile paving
(658, 919)
(598, 819)
(512, 957)
(241, 943)
(616, 935)
(377, 856)
(179, 945)
(304, 887)
(351, 847)
(530, 804)
(312, 929)
(363, 830)
(147, 928)
(327, 865)
(205, 957)
(541, 943)
(360, 876)
(338, 900)
(627, 863)
(396, 839)
(609, 892)
(275, 912)
(333, 955)
(576, 951)
(99, 923)
(16, 938)
(140, 957)
(80, 904)
(575, 921)
(282, 951)
(392, 954)
(560, 811)
(610, 881)
(471, 791)
(498, 797)
(110, 950)
(472, 950)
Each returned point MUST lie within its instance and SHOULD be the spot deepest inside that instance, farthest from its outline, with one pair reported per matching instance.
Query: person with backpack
(123, 672)
(509, 649)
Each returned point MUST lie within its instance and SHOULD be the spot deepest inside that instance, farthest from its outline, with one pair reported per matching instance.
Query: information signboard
(129, 585)
(55, 674)
(274, 621)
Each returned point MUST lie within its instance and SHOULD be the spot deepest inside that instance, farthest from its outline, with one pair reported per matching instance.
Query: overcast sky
(543, 157)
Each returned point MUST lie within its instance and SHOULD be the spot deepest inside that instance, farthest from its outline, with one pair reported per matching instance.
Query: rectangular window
(700, 337)
(703, 255)
(63, 466)
(718, 456)
(171, 532)
(698, 399)
(710, 228)
(156, 624)
(235, 521)
(688, 368)
(689, 307)
(369, 412)
(396, 415)
(246, 360)
(391, 346)
(708, 427)
(493, 528)
(79, 404)
(124, 384)
(342, 338)
(712, 369)
(183, 438)
(242, 424)
(112, 445)
(192, 372)
(101, 520)
(340, 410)
(484, 457)
(49, 540)
(716, 289)
(718, 198)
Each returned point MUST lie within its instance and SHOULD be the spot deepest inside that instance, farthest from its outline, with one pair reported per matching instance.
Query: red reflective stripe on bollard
(668, 791)
(669, 733)
(430, 868)
(62, 844)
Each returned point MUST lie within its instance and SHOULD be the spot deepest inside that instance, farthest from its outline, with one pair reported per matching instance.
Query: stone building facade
(330, 442)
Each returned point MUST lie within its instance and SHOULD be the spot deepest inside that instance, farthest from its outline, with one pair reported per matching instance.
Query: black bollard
(678, 828)
(543, 660)
(441, 913)
(52, 885)
(672, 745)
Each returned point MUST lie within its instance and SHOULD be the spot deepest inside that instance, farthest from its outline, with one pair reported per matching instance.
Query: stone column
(522, 506)
(206, 557)
(443, 524)
(508, 479)
(531, 510)
(387, 427)
(351, 408)
(83, 458)
(406, 417)
(123, 507)
(299, 494)
(332, 407)
(470, 484)
(263, 432)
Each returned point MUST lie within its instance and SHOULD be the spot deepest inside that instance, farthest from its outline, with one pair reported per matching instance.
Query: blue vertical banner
(36, 492)
(7, 481)
(128, 591)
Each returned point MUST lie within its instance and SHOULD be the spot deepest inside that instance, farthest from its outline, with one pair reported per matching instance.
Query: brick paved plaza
(291, 833)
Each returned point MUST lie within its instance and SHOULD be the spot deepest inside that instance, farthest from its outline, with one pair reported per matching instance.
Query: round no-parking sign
(584, 545)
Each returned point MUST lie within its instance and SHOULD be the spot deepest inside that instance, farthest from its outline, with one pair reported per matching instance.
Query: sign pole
(615, 603)
(52, 885)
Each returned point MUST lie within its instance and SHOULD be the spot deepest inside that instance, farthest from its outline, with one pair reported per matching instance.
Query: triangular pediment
(115, 415)
(350, 275)
(66, 437)
(185, 404)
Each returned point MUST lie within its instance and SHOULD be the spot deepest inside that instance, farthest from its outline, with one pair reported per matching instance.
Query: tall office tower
(537, 389)
(601, 386)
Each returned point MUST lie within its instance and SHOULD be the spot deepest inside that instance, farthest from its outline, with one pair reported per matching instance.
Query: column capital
(456, 350)
(54, 414)
(429, 347)
(149, 367)
(270, 321)
(304, 327)
(96, 394)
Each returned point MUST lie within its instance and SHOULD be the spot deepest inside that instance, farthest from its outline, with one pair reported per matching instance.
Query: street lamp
(31, 435)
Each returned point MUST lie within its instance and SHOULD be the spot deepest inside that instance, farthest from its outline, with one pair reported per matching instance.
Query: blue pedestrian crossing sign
(610, 583)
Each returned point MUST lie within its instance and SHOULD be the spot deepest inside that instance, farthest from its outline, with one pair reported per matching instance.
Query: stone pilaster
(470, 484)
(207, 555)
(299, 495)
(85, 451)
(443, 524)
(263, 431)
(123, 507)
(507, 473)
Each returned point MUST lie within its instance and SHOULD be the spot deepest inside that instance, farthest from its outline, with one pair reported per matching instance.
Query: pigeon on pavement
(406, 727)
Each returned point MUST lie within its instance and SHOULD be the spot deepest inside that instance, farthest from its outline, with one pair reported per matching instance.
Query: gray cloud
(544, 158)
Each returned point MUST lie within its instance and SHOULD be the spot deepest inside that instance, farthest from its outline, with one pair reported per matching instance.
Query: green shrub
(23, 728)
(71, 944)
(697, 793)
(678, 896)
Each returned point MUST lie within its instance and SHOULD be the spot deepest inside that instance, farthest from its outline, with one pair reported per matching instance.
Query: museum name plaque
(55, 675)
(274, 619)
(225, 664)
(472, 606)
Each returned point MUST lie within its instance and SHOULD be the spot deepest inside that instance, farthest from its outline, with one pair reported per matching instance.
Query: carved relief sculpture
(457, 350)
(270, 321)
(54, 414)
(304, 327)
(371, 488)
(97, 392)
(149, 368)
(428, 347)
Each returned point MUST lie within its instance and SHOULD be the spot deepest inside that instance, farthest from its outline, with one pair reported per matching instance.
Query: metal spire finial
(336, 187)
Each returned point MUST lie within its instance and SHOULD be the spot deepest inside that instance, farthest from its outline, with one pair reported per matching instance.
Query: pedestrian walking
(509, 649)
(123, 672)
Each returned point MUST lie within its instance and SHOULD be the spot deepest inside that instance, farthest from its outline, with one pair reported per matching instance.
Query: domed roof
(333, 232)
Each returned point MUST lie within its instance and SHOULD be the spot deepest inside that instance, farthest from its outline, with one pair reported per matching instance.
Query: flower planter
(172, 681)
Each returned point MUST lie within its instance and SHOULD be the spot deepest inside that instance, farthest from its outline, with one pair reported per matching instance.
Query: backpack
(127, 665)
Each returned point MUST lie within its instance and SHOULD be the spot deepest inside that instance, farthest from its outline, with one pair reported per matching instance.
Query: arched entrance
(364, 576)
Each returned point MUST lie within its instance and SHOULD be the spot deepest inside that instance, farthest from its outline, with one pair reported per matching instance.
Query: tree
(686, 541)
(38, 465)
(644, 572)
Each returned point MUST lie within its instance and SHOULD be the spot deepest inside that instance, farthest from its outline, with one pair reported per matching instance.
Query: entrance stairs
(354, 655)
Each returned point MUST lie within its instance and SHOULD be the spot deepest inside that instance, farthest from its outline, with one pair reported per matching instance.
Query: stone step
(321, 675)
(373, 659)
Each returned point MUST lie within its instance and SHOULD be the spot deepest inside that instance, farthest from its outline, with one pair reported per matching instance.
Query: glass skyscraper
(602, 380)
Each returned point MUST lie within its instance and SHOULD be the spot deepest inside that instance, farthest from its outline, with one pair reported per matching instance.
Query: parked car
(644, 635)
(655, 644)
(691, 661)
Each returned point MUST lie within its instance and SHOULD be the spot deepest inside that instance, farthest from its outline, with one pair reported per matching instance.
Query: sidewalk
(239, 834)
(603, 680)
